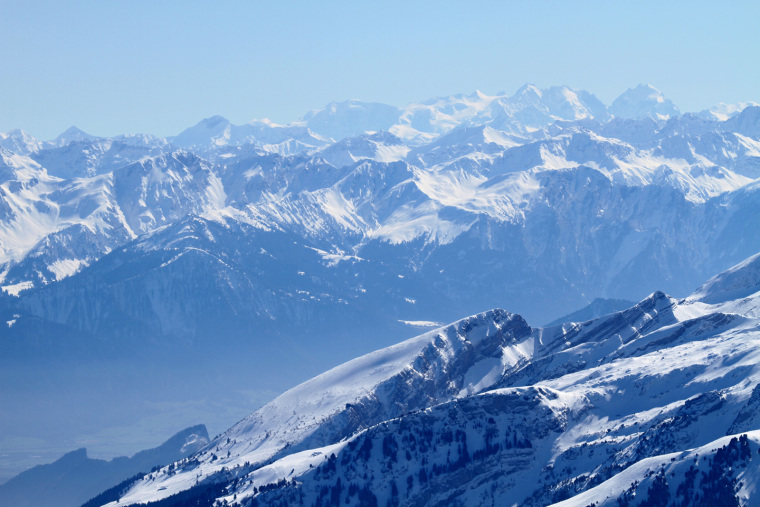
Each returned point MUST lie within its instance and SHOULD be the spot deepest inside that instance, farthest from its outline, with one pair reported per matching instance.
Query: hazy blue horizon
(128, 67)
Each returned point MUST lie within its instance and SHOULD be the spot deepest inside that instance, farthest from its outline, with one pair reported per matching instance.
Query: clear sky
(118, 66)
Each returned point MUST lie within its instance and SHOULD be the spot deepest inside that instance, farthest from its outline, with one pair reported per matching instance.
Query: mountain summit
(643, 101)
(73, 134)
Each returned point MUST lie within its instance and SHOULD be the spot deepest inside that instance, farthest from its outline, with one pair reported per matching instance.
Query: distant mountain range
(75, 478)
(258, 255)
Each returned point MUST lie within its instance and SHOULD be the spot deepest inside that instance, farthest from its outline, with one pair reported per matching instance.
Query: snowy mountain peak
(338, 120)
(645, 92)
(531, 109)
(478, 95)
(73, 134)
(214, 121)
(747, 122)
(204, 132)
(18, 141)
(643, 101)
(264, 122)
(528, 91)
(723, 111)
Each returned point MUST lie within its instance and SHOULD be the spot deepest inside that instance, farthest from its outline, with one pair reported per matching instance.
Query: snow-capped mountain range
(657, 403)
(301, 246)
(433, 172)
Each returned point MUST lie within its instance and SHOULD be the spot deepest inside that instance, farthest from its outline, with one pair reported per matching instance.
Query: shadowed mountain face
(75, 478)
(214, 269)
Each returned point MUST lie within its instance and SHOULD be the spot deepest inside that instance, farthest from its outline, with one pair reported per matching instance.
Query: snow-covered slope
(489, 409)
(722, 472)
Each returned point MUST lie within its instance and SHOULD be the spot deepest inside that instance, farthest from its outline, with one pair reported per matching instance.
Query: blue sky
(117, 66)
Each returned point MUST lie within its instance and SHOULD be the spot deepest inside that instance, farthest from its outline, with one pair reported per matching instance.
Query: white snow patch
(333, 258)
(421, 323)
(391, 153)
(16, 288)
(481, 375)
(66, 267)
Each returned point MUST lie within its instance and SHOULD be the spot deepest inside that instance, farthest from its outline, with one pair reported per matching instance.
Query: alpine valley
(149, 284)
